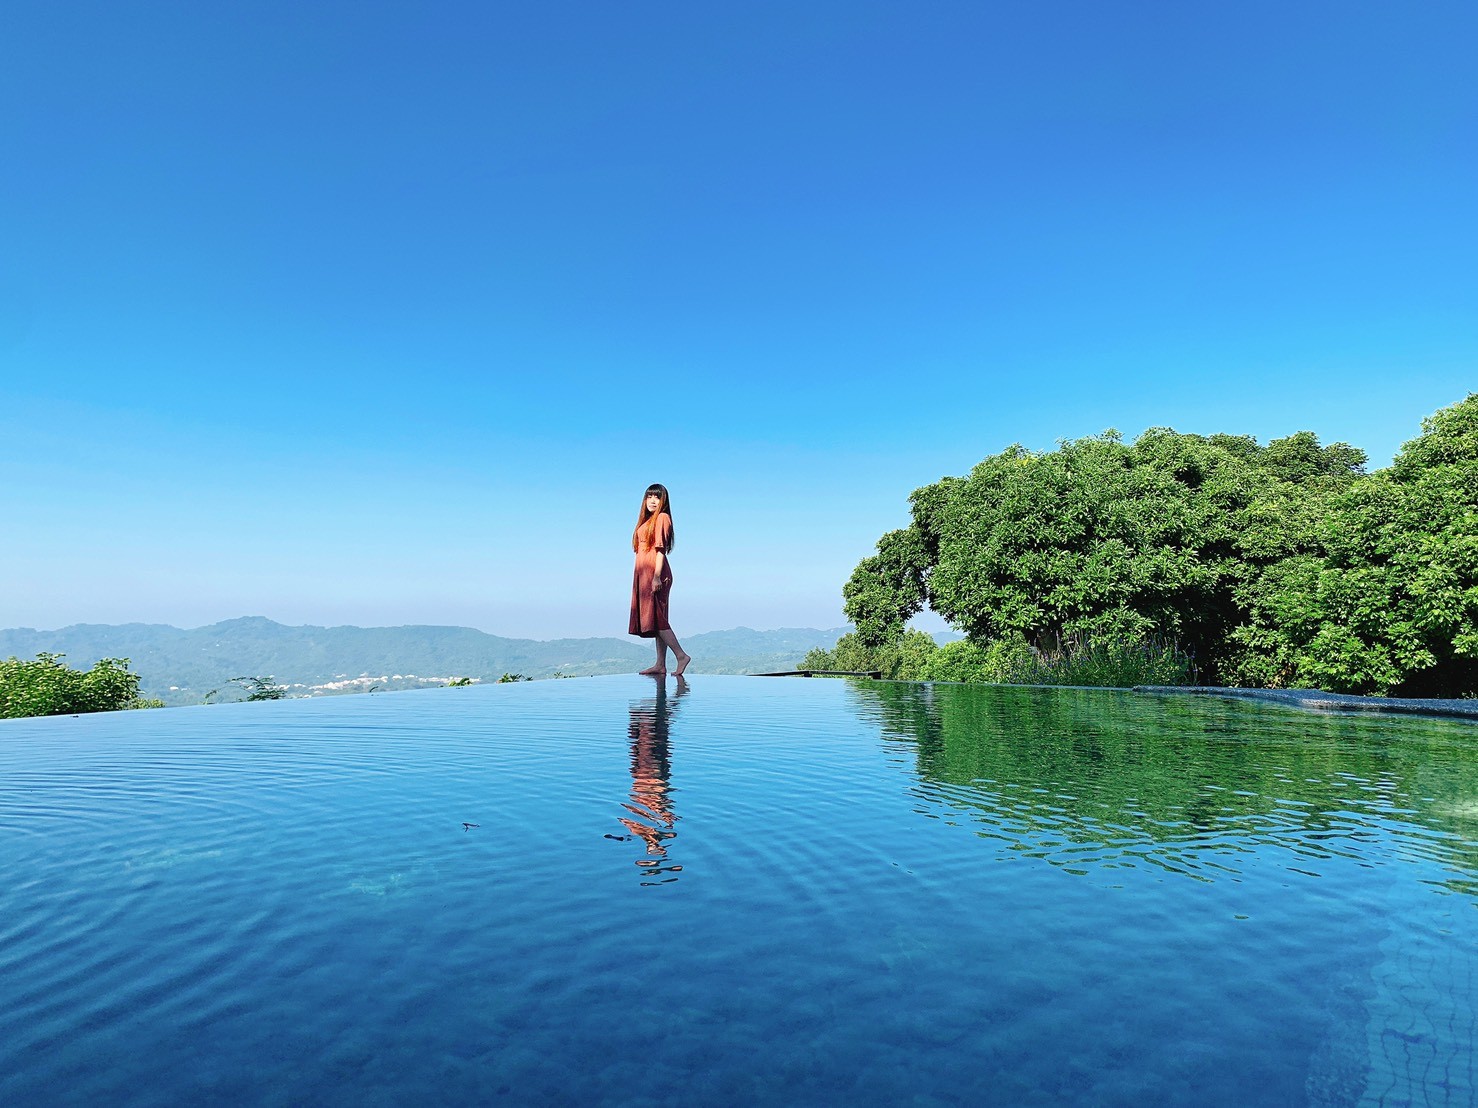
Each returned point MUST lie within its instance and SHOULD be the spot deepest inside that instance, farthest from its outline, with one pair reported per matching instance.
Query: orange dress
(649, 608)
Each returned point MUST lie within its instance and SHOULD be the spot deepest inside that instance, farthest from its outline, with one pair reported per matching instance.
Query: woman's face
(654, 502)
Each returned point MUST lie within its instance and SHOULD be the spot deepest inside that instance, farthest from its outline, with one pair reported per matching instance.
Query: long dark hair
(644, 515)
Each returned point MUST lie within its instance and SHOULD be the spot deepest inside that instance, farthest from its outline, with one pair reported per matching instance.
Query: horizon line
(401, 626)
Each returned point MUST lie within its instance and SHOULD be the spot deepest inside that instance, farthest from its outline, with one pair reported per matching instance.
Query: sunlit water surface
(753, 891)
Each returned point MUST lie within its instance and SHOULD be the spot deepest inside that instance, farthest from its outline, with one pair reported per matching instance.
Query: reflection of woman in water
(651, 771)
(651, 581)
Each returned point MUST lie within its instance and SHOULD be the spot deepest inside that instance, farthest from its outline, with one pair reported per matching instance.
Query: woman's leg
(660, 669)
(667, 638)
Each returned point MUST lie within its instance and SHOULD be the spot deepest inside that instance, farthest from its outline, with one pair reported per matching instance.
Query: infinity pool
(749, 891)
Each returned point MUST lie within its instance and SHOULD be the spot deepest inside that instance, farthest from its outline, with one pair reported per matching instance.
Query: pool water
(747, 891)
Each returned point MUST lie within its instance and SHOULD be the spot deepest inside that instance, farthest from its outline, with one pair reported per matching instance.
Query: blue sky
(387, 313)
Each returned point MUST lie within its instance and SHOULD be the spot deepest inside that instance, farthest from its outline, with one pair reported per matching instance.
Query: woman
(651, 583)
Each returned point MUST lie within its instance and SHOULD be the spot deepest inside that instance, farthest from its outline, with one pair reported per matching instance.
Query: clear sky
(384, 313)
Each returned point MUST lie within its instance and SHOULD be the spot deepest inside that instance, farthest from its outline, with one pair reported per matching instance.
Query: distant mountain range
(184, 667)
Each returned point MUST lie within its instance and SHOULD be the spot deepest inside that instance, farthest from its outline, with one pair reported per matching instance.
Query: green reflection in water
(1095, 779)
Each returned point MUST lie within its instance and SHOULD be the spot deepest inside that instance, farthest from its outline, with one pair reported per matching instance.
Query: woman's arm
(660, 535)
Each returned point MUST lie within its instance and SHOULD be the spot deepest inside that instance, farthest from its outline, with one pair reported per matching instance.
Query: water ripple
(883, 893)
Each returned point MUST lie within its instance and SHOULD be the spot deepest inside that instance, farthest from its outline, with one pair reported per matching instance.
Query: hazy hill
(183, 666)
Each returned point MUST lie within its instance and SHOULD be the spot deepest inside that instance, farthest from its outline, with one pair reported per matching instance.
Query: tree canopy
(1270, 565)
(1391, 603)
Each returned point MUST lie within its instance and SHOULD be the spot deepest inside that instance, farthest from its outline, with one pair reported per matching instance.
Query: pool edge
(1318, 700)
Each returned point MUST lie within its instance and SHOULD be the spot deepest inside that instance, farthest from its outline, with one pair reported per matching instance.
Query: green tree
(1391, 606)
(887, 588)
(1169, 539)
(1300, 458)
(1278, 565)
(47, 687)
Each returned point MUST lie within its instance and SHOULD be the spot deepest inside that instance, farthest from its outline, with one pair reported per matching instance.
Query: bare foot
(683, 660)
(654, 671)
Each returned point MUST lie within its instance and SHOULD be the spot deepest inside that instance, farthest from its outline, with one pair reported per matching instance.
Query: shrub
(1009, 662)
(1109, 663)
(902, 659)
(1101, 662)
(46, 687)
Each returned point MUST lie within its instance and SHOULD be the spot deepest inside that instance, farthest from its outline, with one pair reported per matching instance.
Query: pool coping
(1313, 700)
(1318, 700)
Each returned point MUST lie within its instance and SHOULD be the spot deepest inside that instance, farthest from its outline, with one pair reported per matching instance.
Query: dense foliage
(1273, 565)
(1390, 604)
(46, 687)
